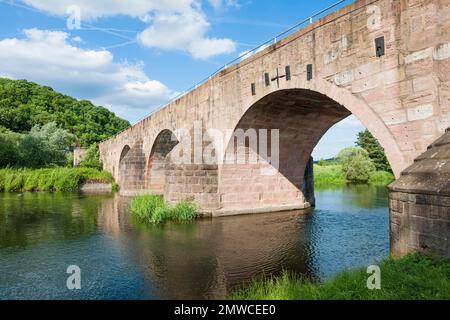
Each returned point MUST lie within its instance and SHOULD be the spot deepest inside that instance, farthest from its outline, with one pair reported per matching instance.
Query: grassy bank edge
(413, 277)
(332, 175)
(50, 179)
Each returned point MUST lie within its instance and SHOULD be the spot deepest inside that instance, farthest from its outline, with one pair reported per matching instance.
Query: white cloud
(173, 24)
(247, 53)
(206, 47)
(91, 10)
(185, 30)
(5, 75)
(220, 4)
(48, 57)
(351, 122)
(174, 31)
(217, 4)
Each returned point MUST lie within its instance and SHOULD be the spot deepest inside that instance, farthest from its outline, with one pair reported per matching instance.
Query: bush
(69, 160)
(92, 158)
(152, 209)
(328, 175)
(45, 146)
(57, 179)
(356, 164)
(381, 178)
(9, 148)
(42, 147)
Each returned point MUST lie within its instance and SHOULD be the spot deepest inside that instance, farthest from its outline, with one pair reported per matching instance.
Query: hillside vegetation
(24, 104)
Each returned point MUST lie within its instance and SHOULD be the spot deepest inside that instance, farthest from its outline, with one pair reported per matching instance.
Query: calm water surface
(41, 234)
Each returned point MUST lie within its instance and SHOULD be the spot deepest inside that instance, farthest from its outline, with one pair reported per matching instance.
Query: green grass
(413, 277)
(330, 175)
(153, 210)
(381, 178)
(49, 179)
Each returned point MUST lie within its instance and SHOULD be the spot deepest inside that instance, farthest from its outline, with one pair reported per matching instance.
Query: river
(41, 234)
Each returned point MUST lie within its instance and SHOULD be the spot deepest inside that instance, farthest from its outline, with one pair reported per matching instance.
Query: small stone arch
(131, 169)
(155, 171)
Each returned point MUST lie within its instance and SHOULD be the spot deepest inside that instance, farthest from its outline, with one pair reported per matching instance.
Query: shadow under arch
(155, 171)
(124, 152)
(302, 117)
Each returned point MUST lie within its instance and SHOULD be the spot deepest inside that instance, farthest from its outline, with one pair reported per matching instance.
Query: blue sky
(132, 56)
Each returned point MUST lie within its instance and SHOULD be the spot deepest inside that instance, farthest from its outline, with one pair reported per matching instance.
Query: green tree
(45, 146)
(375, 151)
(356, 164)
(25, 104)
(92, 158)
(9, 148)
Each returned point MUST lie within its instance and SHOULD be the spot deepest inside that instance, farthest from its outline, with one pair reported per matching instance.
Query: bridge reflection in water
(121, 259)
(207, 258)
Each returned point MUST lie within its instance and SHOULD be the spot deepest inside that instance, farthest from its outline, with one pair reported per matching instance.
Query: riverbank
(413, 277)
(331, 175)
(45, 229)
(50, 179)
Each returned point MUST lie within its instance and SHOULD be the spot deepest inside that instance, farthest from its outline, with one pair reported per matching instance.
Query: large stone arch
(302, 117)
(369, 118)
(352, 103)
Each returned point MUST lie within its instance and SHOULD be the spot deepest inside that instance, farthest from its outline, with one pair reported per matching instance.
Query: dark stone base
(419, 223)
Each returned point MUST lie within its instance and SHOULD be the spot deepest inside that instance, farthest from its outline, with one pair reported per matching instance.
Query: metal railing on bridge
(242, 57)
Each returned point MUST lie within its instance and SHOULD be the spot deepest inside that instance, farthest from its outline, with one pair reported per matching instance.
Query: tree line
(363, 162)
(24, 105)
(40, 127)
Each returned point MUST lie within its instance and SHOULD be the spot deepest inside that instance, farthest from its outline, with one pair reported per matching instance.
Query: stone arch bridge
(385, 61)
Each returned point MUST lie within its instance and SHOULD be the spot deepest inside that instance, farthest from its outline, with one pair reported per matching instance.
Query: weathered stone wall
(419, 203)
(402, 97)
(419, 223)
(155, 173)
(197, 182)
(131, 169)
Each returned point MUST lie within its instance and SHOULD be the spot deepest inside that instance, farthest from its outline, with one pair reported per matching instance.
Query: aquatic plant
(153, 209)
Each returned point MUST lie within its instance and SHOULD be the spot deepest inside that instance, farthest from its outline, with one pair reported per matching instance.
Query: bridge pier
(196, 182)
(419, 204)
